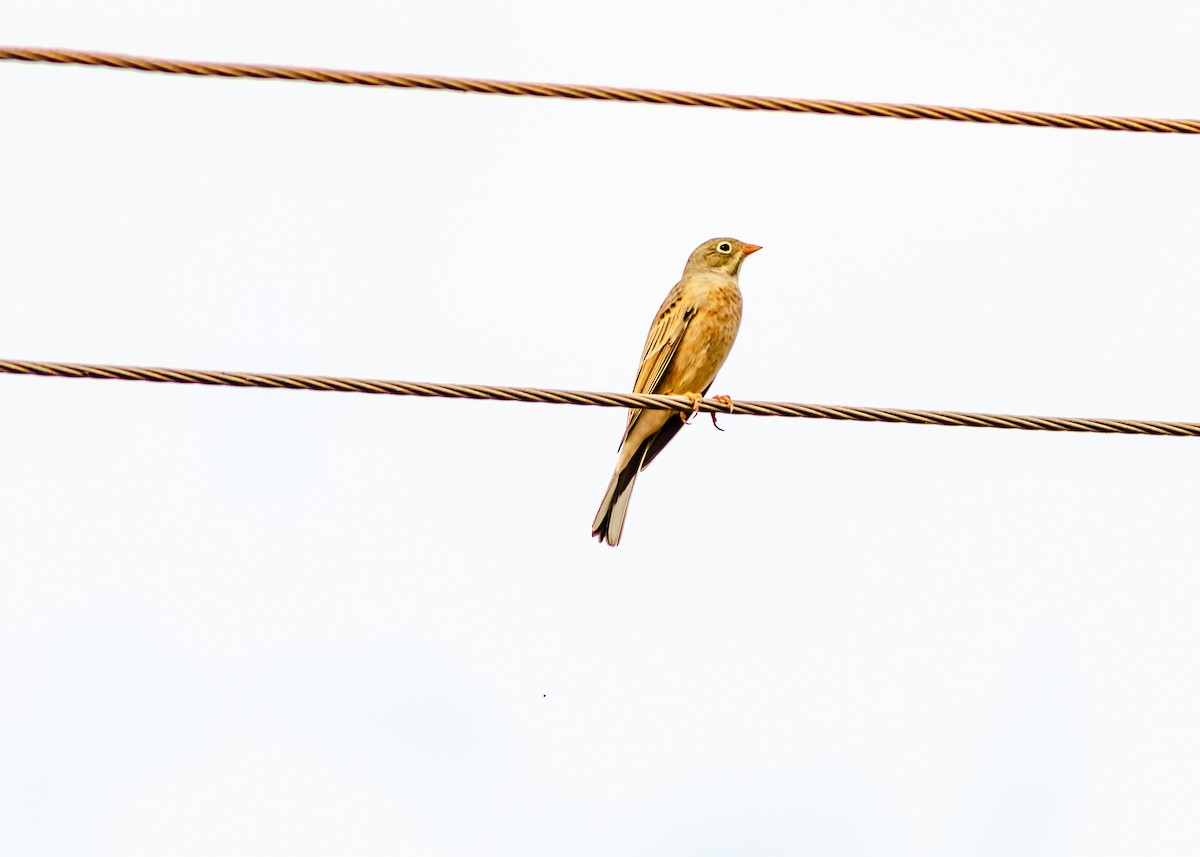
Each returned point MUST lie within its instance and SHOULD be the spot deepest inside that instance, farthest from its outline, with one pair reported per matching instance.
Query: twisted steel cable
(607, 93)
(604, 400)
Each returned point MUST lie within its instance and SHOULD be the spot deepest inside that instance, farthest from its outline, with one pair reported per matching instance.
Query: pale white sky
(252, 621)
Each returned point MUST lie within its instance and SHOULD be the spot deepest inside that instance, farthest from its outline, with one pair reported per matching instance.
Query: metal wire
(608, 93)
(604, 400)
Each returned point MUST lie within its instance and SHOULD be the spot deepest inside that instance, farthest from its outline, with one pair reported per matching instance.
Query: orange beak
(750, 248)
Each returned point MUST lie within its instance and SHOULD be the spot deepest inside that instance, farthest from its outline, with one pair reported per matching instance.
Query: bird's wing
(661, 345)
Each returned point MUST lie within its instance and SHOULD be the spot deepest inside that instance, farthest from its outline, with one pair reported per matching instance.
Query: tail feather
(610, 519)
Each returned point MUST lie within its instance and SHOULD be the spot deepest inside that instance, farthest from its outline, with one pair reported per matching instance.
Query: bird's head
(720, 254)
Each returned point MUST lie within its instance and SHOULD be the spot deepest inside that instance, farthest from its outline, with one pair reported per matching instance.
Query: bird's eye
(724, 247)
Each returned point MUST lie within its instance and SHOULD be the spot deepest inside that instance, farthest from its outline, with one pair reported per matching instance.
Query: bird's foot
(695, 399)
(728, 403)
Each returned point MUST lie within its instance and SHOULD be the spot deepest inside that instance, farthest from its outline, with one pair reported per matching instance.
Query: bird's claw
(728, 403)
(695, 399)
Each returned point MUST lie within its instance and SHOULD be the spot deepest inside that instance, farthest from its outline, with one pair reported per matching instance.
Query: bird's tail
(610, 519)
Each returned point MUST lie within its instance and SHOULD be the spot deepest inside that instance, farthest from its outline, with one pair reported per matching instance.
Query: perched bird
(687, 344)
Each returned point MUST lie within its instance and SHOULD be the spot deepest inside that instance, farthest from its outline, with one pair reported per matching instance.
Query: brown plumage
(687, 345)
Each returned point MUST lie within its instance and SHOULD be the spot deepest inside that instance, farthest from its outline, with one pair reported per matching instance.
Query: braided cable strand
(604, 400)
(608, 93)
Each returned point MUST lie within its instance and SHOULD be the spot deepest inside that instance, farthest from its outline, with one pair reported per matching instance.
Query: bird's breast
(708, 339)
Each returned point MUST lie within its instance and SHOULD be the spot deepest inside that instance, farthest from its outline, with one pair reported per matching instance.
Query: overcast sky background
(249, 622)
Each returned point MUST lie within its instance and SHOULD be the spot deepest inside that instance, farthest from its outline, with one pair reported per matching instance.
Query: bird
(688, 342)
